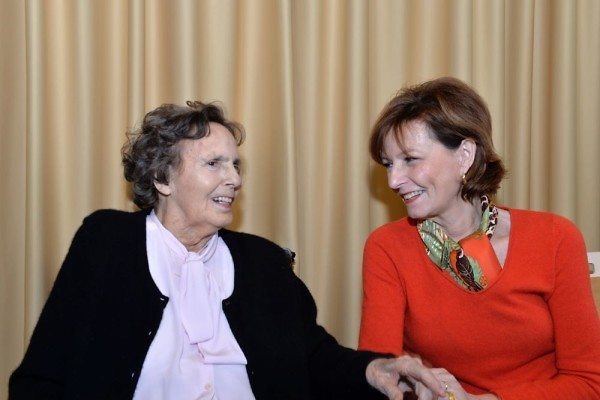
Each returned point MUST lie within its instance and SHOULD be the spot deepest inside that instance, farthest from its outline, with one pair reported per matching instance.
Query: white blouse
(194, 354)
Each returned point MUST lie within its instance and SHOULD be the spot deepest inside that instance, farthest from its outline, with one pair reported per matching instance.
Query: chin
(417, 215)
(224, 223)
(412, 213)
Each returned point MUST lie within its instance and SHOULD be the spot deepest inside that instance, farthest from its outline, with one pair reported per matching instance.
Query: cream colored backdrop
(307, 78)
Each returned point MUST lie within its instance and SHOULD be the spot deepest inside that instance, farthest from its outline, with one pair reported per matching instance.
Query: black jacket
(104, 309)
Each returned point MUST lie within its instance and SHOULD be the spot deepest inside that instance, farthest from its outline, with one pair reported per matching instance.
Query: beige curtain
(306, 78)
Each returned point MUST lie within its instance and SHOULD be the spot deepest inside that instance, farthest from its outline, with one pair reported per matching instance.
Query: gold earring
(464, 179)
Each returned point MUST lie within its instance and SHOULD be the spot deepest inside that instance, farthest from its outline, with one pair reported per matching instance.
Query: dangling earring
(464, 179)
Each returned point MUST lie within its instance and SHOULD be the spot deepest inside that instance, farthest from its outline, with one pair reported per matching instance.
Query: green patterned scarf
(449, 256)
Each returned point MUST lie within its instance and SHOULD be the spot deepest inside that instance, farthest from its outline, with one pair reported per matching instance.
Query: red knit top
(534, 333)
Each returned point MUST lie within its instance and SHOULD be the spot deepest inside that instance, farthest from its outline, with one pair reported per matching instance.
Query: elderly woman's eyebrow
(219, 158)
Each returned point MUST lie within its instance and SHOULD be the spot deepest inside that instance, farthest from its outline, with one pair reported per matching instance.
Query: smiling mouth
(410, 195)
(225, 200)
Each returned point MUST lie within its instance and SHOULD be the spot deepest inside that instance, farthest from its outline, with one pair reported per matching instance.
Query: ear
(163, 188)
(466, 155)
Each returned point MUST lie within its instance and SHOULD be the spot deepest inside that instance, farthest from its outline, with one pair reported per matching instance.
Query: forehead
(218, 140)
(410, 136)
(219, 136)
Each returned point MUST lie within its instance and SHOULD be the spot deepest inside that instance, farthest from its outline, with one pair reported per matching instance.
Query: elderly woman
(498, 299)
(165, 304)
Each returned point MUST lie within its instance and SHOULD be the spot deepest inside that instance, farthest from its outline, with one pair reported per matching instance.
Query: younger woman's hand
(454, 390)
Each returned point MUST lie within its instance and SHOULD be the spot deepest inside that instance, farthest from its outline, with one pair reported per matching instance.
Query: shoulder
(248, 239)
(393, 231)
(111, 217)
(114, 223)
(546, 233)
(249, 247)
(551, 223)
(396, 241)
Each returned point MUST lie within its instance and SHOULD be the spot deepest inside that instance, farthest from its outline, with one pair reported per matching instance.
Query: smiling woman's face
(200, 192)
(424, 173)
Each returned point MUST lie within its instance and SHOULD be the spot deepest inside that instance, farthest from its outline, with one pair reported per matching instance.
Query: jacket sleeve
(576, 327)
(336, 372)
(42, 373)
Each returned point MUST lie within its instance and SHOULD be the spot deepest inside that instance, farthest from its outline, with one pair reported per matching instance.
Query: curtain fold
(307, 79)
(13, 177)
(587, 122)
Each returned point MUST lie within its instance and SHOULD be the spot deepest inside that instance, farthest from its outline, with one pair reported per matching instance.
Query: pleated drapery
(307, 78)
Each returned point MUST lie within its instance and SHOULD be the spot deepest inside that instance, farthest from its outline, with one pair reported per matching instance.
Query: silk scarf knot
(471, 262)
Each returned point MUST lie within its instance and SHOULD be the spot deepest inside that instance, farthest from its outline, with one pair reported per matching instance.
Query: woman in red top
(496, 299)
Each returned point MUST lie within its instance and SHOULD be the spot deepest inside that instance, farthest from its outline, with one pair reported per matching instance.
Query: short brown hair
(452, 111)
(152, 150)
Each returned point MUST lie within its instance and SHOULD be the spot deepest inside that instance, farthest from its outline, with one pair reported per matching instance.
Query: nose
(233, 177)
(396, 177)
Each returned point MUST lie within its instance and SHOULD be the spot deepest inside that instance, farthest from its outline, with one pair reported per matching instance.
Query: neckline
(505, 265)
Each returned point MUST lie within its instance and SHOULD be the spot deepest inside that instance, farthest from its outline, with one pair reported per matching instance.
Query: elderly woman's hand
(394, 376)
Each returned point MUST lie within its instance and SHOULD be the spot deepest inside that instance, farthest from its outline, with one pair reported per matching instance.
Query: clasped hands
(396, 376)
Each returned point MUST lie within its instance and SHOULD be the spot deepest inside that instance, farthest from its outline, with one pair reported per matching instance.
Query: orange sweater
(534, 333)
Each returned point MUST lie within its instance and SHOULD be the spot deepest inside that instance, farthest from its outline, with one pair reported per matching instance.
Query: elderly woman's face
(201, 191)
(424, 173)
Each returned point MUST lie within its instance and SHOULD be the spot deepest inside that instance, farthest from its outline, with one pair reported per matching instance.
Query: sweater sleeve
(43, 371)
(576, 327)
(384, 299)
(336, 371)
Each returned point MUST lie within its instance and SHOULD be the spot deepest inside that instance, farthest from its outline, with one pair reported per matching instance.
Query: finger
(439, 370)
(415, 356)
(411, 369)
(448, 381)
(423, 393)
(394, 393)
(389, 385)
(455, 390)
(428, 379)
